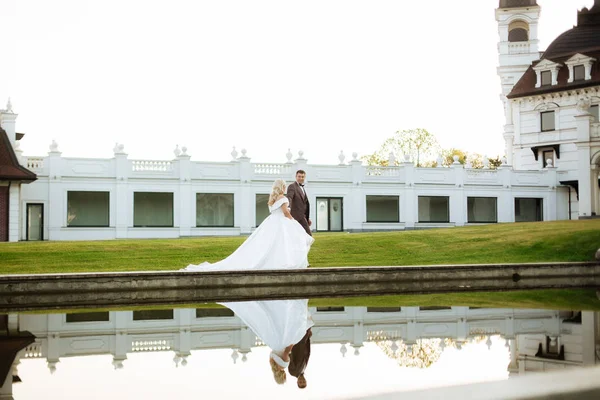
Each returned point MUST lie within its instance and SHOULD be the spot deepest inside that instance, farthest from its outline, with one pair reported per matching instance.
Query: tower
(517, 49)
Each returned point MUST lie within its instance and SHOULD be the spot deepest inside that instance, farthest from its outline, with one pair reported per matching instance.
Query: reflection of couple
(282, 241)
(284, 326)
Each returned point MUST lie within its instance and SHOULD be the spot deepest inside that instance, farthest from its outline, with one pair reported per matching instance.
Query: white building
(77, 198)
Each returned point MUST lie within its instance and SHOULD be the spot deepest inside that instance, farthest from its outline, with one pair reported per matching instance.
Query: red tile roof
(10, 169)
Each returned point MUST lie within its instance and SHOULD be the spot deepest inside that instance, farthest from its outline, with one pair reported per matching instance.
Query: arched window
(518, 35)
(518, 31)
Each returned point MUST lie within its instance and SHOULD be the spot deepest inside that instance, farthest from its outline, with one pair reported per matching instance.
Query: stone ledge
(28, 292)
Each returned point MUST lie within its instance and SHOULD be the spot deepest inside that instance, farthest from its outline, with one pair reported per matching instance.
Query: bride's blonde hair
(279, 374)
(277, 190)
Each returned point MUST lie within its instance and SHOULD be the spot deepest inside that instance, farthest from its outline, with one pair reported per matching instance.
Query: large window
(152, 209)
(546, 78)
(434, 209)
(482, 209)
(578, 73)
(262, 208)
(383, 209)
(87, 209)
(547, 118)
(214, 209)
(151, 315)
(528, 210)
(96, 316)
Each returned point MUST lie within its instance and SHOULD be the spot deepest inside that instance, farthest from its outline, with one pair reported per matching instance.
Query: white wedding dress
(278, 243)
(278, 323)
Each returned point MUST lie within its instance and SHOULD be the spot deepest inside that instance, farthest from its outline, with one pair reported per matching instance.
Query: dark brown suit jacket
(300, 355)
(300, 206)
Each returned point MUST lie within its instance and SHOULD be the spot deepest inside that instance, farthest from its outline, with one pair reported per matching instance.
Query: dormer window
(580, 67)
(546, 78)
(547, 73)
(578, 73)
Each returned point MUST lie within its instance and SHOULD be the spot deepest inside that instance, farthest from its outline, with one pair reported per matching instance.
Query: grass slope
(499, 243)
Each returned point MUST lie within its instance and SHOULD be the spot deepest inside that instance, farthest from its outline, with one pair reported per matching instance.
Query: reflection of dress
(278, 323)
(278, 243)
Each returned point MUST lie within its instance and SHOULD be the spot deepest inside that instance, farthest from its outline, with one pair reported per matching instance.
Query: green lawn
(525, 242)
(501, 243)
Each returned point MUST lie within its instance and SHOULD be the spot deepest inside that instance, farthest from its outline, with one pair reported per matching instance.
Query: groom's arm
(291, 194)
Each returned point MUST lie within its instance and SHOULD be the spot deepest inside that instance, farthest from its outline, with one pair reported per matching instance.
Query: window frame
(232, 212)
(548, 74)
(540, 200)
(580, 67)
(381, 222)
(542, 121)
(89, 226)
(549, 150)
(482, 222)
(597, 114)
(435, 222)
(156, 226)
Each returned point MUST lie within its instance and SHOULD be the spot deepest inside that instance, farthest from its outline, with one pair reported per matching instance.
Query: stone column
(584, 172)
(14, 213)
(186, 197)
(123, 204)
(356, 198)
(57, 218)
(588, 337)
(409, 211)
(243, 211)
(505, 201)
(458, 201)
(551, 209)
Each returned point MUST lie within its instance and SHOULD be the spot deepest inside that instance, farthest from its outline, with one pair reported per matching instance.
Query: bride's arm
(286, 211)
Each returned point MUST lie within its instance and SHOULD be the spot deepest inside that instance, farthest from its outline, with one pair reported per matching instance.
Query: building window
(88, 209)
(151, 315)
(330, 309)
(383, 309)
(213, 312)
(546, 78)
(262, 208)
(482, 209)
(528, 210)
(100, 316)
(383, 209)
(518, 35)
(547, 119)
(594, 111)
(152, 209)
(434, 209)
(547, 155)
(578, 73)
(214, 209)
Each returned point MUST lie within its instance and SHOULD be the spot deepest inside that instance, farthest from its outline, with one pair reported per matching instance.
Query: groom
(300, 207)
(299, 359)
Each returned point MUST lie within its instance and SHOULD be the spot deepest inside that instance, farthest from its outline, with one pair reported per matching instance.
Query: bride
(279, 242)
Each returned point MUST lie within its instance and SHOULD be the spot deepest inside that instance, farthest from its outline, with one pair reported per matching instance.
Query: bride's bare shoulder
(281, 196)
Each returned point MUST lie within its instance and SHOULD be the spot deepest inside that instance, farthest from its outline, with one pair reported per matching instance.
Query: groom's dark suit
(300, 207)
(300, 355)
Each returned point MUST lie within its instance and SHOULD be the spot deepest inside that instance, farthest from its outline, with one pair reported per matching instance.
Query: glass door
(35, 222)
(330, 214)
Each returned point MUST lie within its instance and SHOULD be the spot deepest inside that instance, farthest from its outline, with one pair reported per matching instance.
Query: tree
(417, 143)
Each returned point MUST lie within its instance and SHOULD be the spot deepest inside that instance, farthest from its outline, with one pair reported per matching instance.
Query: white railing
(34, 350)
(151, 345)
(35, 163)
(272, 169)
(482, 173)
(151, 166)
(373, 170)
(518, 48)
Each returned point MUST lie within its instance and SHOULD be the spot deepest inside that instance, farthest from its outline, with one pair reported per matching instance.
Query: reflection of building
(182, 331)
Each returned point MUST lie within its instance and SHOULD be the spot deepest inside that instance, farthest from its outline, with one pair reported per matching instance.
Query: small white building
(550, 171)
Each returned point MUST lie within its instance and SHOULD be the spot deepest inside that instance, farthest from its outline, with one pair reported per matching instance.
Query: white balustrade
(151, 166)
(35, 163)
(373, 170)
(272, 169)
(518, 48)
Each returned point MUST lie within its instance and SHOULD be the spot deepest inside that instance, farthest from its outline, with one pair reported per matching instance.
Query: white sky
(211, 374)
(265, 75)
